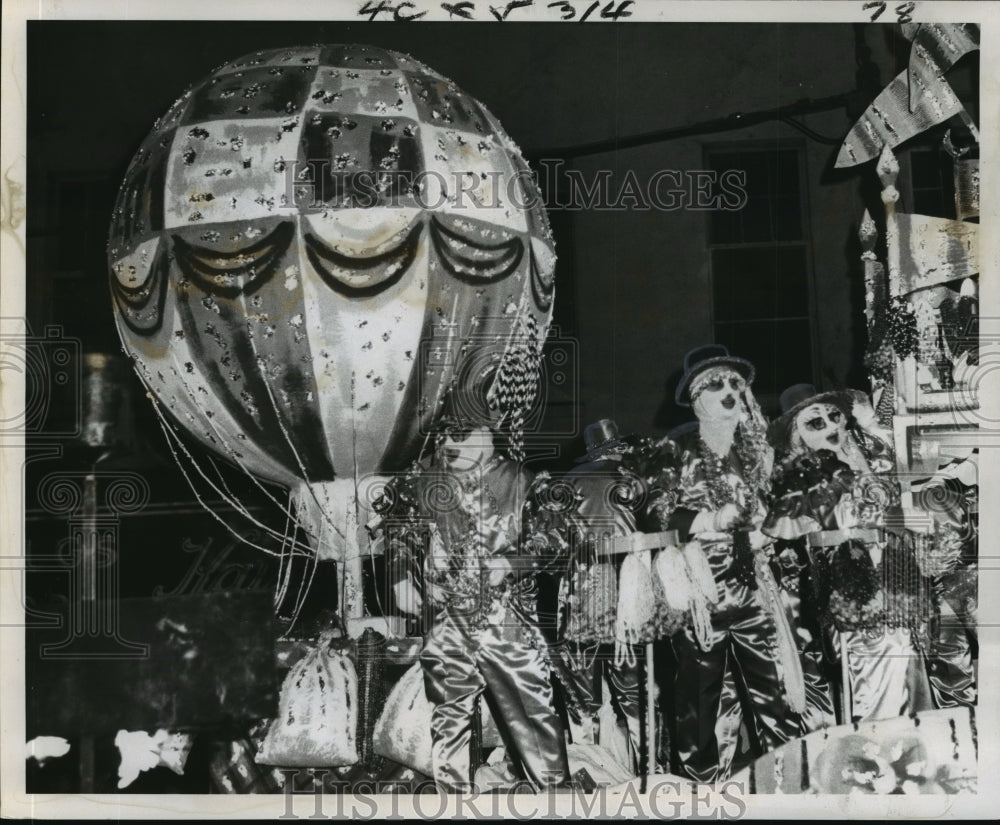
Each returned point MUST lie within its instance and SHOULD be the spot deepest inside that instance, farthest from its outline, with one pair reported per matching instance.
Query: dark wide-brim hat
(602, 438)
(705, 357)
(799, 396)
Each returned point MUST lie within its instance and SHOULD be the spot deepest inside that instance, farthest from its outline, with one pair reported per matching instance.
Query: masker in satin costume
(601, 496)
(456, 524)
(712, 493)
(835, 485)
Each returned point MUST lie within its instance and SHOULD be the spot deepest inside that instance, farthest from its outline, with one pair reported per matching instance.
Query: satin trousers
(886, 673)
(949, 658)
(820, 711)
(462, 660)
(580, 669)
(743, 646)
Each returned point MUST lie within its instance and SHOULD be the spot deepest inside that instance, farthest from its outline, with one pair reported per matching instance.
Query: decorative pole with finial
(888, 170)
(868, 235)
(879, 358)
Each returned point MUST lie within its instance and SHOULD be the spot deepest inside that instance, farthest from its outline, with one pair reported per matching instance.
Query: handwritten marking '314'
(467, 9)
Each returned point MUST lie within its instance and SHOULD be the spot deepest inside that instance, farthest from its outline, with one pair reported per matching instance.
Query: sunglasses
(456, 432)
(717, 384)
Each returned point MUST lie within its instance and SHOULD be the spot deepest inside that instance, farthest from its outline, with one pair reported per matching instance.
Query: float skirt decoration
(934, 752)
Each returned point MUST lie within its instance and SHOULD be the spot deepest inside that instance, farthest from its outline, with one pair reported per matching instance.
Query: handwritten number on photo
(565, 7)
(611, 10)
(904, 11)
(880, 7)
(373, 10)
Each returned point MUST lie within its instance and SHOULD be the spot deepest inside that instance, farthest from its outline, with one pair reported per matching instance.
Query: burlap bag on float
(317, 711)
(403, 732)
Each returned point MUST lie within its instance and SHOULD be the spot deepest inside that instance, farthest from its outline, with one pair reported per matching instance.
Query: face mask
(822, 427)
(717, 395)
(464, 448)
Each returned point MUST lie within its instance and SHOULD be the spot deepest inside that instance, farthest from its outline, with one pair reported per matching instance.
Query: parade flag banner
(934, 251)
(890, 121)
(936, 48)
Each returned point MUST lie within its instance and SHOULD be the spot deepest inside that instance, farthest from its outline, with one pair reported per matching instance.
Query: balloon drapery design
(307, 253)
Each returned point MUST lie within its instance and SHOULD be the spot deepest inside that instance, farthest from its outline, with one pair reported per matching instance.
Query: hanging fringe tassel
(704, 591)
(516, 384)
(636, 606)
(689, 586)
(886, 405)
(678, 589)
(371, 691)
(700, 572)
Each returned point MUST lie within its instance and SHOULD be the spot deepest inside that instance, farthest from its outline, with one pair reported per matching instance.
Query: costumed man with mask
(835, 491)
(713, 493)
(456, 539)
(602, 497)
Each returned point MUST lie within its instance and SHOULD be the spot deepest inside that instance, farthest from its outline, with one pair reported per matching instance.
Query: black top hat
(799, 396)
(601, 438)
(702, 358)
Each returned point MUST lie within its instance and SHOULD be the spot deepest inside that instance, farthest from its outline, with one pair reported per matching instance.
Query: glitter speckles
(248, 403)
(323, 356)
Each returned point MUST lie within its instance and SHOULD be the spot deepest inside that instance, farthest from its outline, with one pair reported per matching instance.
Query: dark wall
(633, 286)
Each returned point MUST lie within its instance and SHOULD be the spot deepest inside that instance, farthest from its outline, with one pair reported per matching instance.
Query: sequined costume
(743, 638)
(952, 565)
(484, 638)
(950, 667)
(604, 497)
(867, 586)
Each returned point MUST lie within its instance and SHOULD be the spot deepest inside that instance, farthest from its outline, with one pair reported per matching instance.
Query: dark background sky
(634, 288)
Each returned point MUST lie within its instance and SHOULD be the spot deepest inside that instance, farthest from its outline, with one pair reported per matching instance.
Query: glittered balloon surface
(312, 248)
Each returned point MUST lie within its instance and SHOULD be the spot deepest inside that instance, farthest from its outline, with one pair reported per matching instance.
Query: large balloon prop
(310, 250)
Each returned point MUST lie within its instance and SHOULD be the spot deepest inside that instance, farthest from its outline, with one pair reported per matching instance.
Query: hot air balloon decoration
(309, 252)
